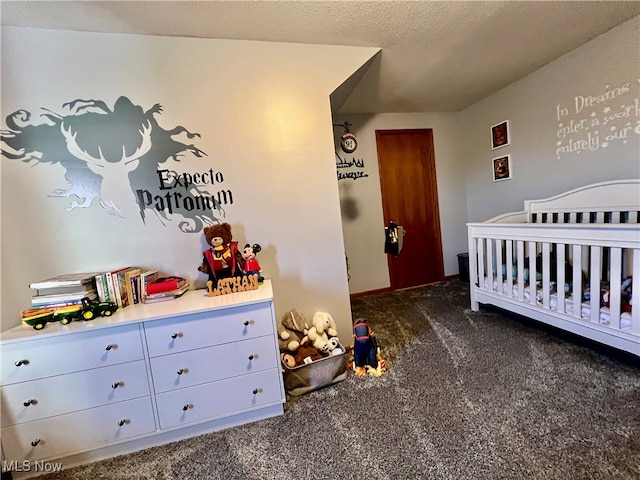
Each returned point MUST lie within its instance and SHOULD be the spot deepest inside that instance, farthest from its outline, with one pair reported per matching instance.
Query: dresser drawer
(204, 365)
(78, 431)
(46, 397)
(55, 355)
(218, 399)
(208, 328)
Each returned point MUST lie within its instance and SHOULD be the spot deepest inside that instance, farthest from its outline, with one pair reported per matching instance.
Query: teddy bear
(305, 354)
(251, 265)
(221, 260)
(292, 332)
(322, 328)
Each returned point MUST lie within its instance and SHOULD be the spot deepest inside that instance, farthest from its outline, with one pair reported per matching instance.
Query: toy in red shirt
(251, 265)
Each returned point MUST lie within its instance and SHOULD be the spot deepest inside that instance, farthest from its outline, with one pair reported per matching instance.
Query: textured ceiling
(436, 55)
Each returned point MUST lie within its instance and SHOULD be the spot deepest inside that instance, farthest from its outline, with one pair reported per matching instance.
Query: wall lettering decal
(101, 149)
(345, 168)
(599, 120)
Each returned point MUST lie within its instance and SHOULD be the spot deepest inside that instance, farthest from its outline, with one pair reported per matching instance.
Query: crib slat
(546, 275)
(577, 281)
(509, 267)
(481, 271)
(615, 217)
(635, 294)
(596, 255)
(560, 248)
(490, 276)
(520, 268)
(499, 262)
(532, 272)
(615, 276)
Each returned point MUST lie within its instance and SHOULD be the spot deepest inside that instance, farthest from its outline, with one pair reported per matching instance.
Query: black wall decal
(345, 168)
(100, 147)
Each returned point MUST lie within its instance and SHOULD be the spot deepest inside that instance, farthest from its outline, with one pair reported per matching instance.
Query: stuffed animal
(323, 322)
(304, 355)
(365, 348)
(222, 259)
(292, 332)
(251, 265)
(322, 327)
(307, 354)
(288, 359)
(334, 346)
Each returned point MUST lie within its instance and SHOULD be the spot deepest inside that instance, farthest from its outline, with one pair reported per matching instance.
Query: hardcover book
(146, 278)
(165, 284)
(132, 277)
(115, 276)
(63, 299)
(87, 287)
(65, 280)
(167, 295)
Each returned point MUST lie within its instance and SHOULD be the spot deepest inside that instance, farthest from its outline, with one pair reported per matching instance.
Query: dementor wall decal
(102, 149)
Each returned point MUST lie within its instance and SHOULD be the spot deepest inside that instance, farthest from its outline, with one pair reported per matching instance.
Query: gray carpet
(468, 395)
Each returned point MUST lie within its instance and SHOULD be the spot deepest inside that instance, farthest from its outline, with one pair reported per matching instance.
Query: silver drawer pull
(35, 442)
(176, 335)
(32, 401)
(124, 421)
(117, 384)
(251, 357)
(187, 407)
(19, 363)
(257, 391)
(248, 322)
(111, 346)
(182, 370)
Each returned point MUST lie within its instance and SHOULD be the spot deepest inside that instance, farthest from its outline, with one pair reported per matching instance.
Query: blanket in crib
(585, 306)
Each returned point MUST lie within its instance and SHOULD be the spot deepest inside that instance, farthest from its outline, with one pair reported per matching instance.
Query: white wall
(262, 111)
(364, 235)
(603, 72)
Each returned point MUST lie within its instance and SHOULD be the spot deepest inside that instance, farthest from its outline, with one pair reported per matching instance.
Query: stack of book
(165, 288)
(63, 290)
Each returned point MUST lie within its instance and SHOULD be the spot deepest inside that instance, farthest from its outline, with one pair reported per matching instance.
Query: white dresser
(147, 375)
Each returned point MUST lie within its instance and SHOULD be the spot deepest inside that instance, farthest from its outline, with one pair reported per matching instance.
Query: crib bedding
(585, 306)
(585, 240)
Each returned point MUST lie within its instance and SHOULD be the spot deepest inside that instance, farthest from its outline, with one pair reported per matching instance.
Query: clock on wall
(348, 142)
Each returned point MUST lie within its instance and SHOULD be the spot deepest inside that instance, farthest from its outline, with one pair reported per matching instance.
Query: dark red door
(410, 198)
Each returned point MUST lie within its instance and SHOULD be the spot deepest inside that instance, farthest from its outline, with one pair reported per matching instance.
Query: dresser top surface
(193, 301)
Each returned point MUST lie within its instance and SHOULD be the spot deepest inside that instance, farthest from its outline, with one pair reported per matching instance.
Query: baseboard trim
(370, 292)
(389, 289)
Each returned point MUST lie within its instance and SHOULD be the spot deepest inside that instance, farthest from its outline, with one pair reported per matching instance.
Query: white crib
(568, 261)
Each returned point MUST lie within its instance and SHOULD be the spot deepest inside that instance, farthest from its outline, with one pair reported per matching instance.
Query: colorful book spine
(99, 287)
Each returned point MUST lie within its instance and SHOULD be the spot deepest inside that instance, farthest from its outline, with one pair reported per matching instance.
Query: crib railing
(587, 216)
(555, 266)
